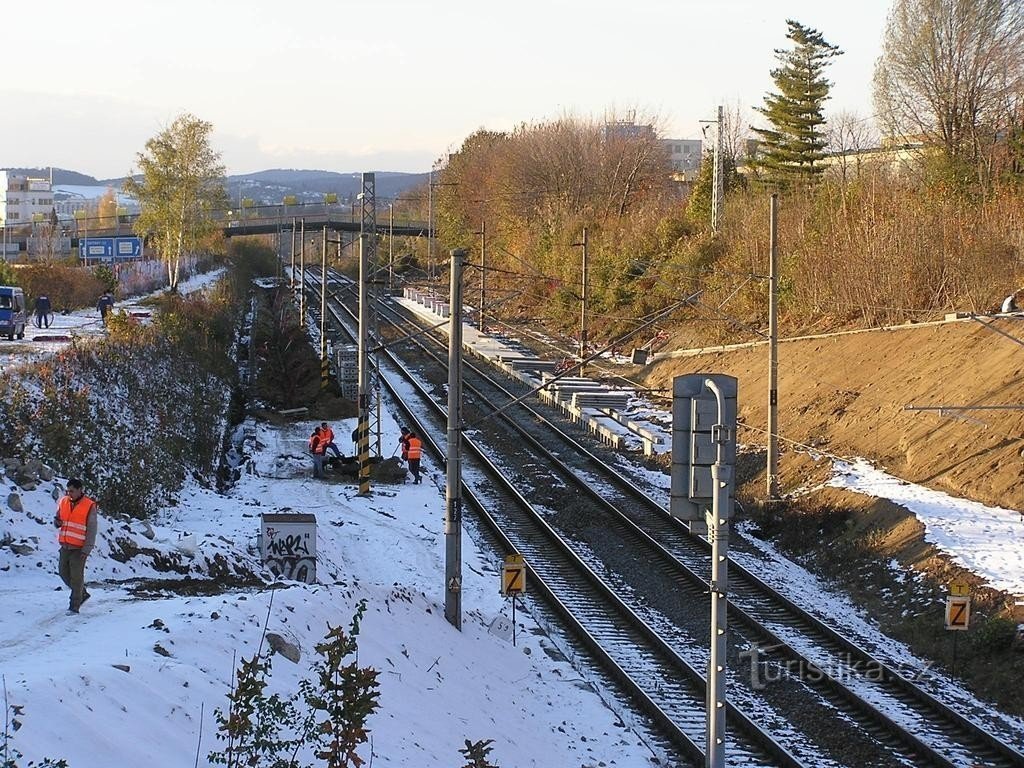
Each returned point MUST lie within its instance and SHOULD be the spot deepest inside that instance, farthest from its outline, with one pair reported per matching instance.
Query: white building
(684, 155)
(22, 198)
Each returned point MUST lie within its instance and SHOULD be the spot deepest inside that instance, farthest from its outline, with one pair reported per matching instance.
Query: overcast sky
(349, 85)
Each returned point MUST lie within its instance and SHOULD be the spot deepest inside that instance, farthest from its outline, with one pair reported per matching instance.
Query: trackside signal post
(513, 584)
(453, 492)
(958, 612)
(703, 458)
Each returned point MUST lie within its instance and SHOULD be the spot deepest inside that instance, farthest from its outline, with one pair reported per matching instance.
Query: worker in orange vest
(327, 436)
(318, 448)
(77, 520)
(403, 442)
(414, 450)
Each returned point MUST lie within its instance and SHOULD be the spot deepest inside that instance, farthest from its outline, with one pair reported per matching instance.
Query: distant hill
(270, 186)
(60, 175)
(264, 187)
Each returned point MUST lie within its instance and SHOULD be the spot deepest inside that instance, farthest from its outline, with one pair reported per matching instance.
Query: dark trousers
(72, 573)
(42, 320)
(414, 467)
(332, 447)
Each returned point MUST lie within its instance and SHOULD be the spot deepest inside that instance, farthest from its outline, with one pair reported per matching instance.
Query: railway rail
(907, 723)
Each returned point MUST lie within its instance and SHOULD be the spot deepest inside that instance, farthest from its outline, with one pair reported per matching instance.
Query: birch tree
(181, 184)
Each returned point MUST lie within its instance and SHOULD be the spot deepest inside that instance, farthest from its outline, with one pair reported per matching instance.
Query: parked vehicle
(13, 316)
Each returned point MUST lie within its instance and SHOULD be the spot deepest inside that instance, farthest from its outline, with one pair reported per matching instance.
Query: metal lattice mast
(324, 367)
(718, 179)
(363, 426)
(368, 233)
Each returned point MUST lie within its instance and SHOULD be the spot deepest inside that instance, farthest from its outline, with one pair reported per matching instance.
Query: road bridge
(251, 221)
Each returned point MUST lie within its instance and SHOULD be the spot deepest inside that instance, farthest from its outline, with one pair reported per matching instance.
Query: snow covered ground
(85, 323)
(439, 687)
(988, 541)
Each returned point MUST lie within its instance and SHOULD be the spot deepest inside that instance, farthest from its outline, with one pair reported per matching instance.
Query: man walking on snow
(105, 305)
(77, 520)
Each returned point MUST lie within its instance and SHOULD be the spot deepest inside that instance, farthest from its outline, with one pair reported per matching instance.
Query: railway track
(906, 725)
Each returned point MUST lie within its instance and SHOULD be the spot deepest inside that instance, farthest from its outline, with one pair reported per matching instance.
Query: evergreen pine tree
(792, 148)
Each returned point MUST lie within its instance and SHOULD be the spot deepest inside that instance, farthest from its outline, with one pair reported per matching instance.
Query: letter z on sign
(513, 576)
(958, 612)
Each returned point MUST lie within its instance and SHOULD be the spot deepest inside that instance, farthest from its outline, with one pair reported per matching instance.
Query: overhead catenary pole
(718, 178)
(302, 274)
(324, 368)
(773, 350)
(363, 425)
(391, 247)
(718, 533)
(483, 274)
(368, 228)
(291, 283)
(430, 224)
(583, 305)
(453, 493)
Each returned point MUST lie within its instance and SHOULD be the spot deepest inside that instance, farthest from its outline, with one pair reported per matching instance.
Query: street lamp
(83, 252)
(37, 218)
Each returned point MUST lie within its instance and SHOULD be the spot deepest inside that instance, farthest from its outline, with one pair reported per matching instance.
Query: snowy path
(438, 686)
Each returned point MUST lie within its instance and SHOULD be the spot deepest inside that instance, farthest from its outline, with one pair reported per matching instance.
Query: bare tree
(849, 135)
(946, 69)
(735, 133)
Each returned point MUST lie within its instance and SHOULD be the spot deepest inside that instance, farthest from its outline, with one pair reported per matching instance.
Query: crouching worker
(318, 448)
(327, 436)
(77, 520)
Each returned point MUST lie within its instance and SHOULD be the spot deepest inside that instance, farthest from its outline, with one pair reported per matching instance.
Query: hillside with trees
(863, 242)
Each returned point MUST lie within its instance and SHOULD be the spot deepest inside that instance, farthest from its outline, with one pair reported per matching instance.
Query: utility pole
(291, 284)
(430, 224)
(583, 304)
(453, 492)
(391, 247)
(718, 179)
(363, 426)
(483, 274)
(718, 533)
(773, 350)
(324, 368)
(302, 274)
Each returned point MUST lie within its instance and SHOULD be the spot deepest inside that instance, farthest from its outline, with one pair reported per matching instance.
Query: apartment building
(22, 198)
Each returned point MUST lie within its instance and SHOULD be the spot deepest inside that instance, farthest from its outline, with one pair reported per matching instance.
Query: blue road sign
(128, 247)
(98, 248)
(111, 248)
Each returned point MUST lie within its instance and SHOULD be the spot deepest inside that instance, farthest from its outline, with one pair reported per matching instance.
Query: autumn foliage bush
(872, 248)
(68, 287)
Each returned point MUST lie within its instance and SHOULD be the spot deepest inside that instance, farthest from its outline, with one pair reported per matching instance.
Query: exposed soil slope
(846, 395)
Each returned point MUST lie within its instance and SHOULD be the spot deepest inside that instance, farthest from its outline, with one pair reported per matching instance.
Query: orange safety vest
(74, 519)
(415, 448)
(404, 441)
(328, 435)
(317, 444)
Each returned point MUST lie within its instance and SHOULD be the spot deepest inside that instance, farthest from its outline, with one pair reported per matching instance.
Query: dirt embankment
(846, 395)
